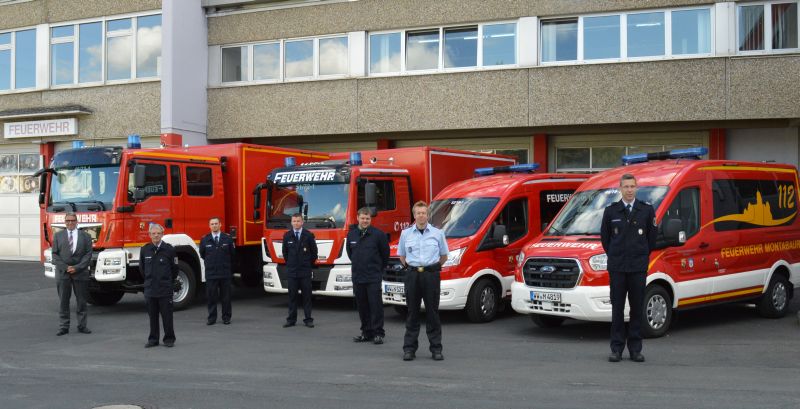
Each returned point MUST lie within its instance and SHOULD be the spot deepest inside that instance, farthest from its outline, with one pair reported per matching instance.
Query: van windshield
(461, 217)
(583, 214)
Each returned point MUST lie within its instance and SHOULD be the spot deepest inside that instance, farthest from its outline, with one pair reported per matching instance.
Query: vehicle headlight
(520, 258)
(454, 257)
(112, 261)
(598, 262)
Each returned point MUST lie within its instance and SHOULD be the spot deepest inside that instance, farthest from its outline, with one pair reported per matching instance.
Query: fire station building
(572, 85)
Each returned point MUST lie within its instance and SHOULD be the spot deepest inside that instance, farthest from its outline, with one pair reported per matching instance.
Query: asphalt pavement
(717, 357)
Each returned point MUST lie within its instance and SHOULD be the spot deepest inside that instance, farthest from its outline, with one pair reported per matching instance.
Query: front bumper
(333, 281)
(582, 302)
(452, 295)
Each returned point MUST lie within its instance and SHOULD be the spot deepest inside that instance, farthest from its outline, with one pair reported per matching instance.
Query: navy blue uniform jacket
(299, 255)
(218, 258)
(628, 239)
(159, 268)
(368, 253)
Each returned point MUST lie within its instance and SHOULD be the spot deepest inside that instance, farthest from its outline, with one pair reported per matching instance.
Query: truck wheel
(184, 296)
(401, 310)
(482, 301)
(656, 312)
(775, 301)
(547, 321)
(104, 298)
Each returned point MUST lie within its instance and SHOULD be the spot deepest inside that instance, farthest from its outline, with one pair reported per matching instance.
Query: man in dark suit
(628, 234)
(368, 249)
(159, 266)
(72, 253)
(300, 253)
(217, 250)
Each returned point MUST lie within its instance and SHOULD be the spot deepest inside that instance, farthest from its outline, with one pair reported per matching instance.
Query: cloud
(267, 63)
(387, 63)
(119, 57)
(422, 56)
(148, 49)
(333, 56)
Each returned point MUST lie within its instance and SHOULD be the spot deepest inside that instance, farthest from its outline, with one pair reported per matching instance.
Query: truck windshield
(461, 217)
(85, 184)
(322, 205)
(583, 214)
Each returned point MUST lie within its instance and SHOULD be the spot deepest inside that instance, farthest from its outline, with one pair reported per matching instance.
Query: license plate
(394, 289)
(541, 296)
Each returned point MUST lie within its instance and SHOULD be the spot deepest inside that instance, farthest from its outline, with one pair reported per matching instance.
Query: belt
(421, 269)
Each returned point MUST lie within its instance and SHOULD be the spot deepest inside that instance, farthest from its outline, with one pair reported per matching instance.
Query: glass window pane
(299, 59)
(90, 52)
(645, 34)
(267, 61)
(461, 47)
(199, 182)
(499, 44)
(234, 64)
(600, 37)
(148, 46)
(61, 63)
(607, 157)
(784, 26)
(122, 25)
(422, 50)
(118, 65)
(751, 28)
(691, 32)
(64, 31)
(572, 158)
(384, 53)
(5, 38)
(333, 56)
(645, 149)
(25, 59)
(5, 70)
(560, 40)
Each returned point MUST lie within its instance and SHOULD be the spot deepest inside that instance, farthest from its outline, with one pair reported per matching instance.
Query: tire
(656, 312)
(482, 301)
(547, 321)
(774, 303)
(184, 297)
(104, 298)
(401, 310)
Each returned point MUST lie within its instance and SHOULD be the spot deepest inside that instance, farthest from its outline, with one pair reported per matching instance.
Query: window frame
(12, 47)
(191, 184)
(592, 169)
(767, 33)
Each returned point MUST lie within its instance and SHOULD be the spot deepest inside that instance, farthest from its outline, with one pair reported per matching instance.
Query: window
(646, 34)
(461, 47)
(422, 50)
(384, 53)
(266, 61)
(736, 201)
(62, 55)
(686, 208)
(550, 203)
(90, 52)
(155, 180)
(17, 50)
(598, 158)
(299, 59)
(333, 56)
(384, 192)
(691, 32)
(175, 179)
(515, 217)
(119, 43)
(601, 37)
(560, 40)
(234, 64)
(198, 181)
(767, 27)
(499, 44)
(148, 46)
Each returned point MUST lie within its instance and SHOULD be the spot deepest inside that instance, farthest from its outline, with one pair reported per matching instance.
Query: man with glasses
(159, 266)
(72, 253)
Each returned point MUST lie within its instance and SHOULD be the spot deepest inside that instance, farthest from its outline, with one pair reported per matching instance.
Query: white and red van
(486, 221)
(728, 231)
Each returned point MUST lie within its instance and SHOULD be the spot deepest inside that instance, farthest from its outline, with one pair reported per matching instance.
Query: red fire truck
(486, 221)
(116, 193)
(728, 231)
(328, 195)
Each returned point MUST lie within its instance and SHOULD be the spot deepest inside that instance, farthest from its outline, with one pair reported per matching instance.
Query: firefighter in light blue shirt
(422, 250)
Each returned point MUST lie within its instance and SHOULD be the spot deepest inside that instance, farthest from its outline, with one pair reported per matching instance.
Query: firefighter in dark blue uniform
(368, 250)
(300, 253)
(628, 234)
(217, 250)
(159, 267)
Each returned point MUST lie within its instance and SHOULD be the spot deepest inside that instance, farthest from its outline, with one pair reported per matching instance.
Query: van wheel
(482, 301)
(401, 310)
(104, 298)
(184, 296)
(547, 321)
(775, 301)
(656, 312)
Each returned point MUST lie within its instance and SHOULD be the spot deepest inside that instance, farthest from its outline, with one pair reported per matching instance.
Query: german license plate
(394, 289)
(543, 296)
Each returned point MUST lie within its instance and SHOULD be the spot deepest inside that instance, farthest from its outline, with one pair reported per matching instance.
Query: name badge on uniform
(641, 232)
(616, 230)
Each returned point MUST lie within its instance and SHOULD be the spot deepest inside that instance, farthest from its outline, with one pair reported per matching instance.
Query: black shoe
(211, 322)
(309, 324)
(409, 356)
(615, 357)
(637, 357)
(150, 344)
(378, 340)
(288, 324)
(363, 338)
(226, 322)
(437, 356)
(169, 344)
(62, 331)
(84, 330)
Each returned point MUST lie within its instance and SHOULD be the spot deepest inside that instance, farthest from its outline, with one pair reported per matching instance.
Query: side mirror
(257, 201)
(673, 232)
(499, 235)
(138, 177)
(42, 186)
(371, 198)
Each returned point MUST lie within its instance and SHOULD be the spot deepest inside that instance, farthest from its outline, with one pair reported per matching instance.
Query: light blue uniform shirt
(422, 249)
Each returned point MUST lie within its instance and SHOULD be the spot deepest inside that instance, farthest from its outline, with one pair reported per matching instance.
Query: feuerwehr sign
(46, 127)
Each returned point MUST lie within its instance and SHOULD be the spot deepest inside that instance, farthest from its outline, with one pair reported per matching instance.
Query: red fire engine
(116, 193)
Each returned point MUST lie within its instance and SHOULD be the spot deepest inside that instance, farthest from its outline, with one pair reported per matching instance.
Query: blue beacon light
(77, 144)
(134, 141)
(355, 159)
(523, 168)
(289, 161)
(687, 153)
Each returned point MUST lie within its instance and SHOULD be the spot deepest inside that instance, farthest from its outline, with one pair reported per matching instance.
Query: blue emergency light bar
(288, 161)
(688, 153)
(524, 168)
(355, 159)
(134, 141)
(77, 144)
